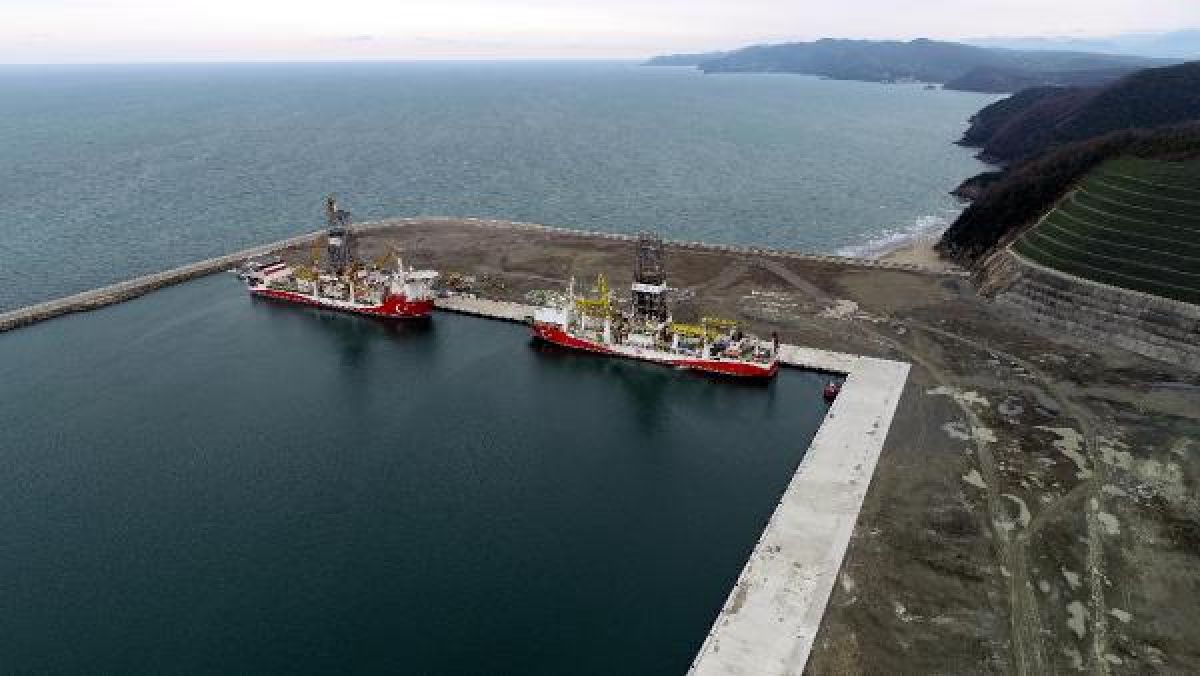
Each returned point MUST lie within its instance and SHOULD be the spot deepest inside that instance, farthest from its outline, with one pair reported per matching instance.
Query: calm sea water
(114, 171)
(199, 482)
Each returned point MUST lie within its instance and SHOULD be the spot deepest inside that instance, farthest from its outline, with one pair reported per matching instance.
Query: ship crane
(389, 258)
(599, 307)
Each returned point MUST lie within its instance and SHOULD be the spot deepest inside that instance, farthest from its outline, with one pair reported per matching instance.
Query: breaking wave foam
(924, 227)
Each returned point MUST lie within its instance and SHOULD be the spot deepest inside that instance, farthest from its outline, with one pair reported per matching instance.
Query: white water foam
(925, 227)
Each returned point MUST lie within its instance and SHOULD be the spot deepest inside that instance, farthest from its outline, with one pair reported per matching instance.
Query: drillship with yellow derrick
(383, 289)
(647, 332)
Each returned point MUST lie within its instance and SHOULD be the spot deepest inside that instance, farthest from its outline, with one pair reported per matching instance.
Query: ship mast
(650, 279)
(340, 248)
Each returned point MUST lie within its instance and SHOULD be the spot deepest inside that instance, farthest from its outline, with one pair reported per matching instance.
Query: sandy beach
(919, 252)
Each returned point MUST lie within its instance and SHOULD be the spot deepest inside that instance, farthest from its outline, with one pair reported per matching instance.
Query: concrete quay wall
(770, 620)
(482, 307)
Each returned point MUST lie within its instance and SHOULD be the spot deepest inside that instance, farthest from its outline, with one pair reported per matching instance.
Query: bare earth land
(1034, 508)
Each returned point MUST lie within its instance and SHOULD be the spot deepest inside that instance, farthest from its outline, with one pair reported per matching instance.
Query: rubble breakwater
(132, 288)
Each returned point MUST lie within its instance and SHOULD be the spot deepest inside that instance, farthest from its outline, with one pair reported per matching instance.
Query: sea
(196, 481)
(112, 171)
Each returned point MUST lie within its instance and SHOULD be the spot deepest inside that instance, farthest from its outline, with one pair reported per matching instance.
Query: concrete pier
(482, 307)
(819, 360)
(771, 618)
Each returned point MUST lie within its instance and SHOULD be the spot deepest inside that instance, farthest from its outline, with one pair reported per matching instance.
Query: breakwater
(132, 288)
(870, 263)
(121, 291)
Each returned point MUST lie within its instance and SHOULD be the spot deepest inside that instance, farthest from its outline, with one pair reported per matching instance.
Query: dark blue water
(195, 481)
(107, 172)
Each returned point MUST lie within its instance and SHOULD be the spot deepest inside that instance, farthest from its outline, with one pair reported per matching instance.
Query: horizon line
(250, 62)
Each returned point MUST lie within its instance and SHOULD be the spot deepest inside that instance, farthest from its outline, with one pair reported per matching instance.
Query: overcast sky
(42, 31)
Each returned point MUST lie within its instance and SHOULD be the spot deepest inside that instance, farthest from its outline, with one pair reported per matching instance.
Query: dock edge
(771, 617)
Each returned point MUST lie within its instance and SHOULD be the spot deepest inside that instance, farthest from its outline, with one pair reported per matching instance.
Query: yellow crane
(388, 258)
(708, 328)
(719, 323)
(689, 330)
(314, 254)
(599, 307)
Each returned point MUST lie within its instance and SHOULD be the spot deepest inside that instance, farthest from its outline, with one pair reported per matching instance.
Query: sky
(96, 31)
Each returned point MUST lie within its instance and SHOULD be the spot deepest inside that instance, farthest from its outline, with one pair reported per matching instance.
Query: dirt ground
(1034, 510)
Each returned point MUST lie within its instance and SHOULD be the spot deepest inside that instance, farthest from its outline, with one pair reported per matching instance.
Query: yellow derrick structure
(708, 328)
(689, 330)
(387, 258)
(599, 307)
(311, 271)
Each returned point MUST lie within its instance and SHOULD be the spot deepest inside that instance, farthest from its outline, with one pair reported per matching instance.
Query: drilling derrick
(340, 249)
(650, 279)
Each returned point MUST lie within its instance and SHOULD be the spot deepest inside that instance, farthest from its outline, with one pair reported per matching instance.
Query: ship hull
(394, 307)
(555, 335)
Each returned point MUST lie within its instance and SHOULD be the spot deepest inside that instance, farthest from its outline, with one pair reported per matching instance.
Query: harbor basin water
(202, 482)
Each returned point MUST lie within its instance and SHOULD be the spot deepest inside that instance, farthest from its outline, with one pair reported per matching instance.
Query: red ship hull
(555, 335)
(393, 307)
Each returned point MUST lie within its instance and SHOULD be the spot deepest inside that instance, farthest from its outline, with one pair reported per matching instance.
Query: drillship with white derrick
(647, 331)
(383, 289)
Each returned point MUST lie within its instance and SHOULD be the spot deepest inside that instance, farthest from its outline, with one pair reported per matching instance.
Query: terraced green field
(1131, 223)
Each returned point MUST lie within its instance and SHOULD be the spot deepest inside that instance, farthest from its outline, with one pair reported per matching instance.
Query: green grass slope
(1131, 223)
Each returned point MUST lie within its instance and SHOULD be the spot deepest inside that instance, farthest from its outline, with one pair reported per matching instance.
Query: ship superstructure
(383, 288)
(647, 331)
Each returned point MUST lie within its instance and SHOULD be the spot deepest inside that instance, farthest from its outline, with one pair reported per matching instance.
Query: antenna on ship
(650, 278)
(340, 244)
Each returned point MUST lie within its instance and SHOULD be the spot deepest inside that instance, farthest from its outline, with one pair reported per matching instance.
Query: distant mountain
(683, 59)
(1184, 44)
(1035, 120)
(921, 60)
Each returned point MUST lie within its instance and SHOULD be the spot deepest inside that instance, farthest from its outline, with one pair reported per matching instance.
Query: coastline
(918, 251)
